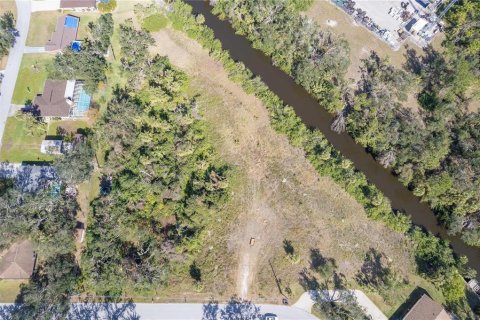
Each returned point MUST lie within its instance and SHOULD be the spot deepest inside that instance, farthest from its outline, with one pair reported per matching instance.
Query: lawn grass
(18, 146)
(68, 125)
(31, 77)
(42, 25)
(155, 22)
(9, 290)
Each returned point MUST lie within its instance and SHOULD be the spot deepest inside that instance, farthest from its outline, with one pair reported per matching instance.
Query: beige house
(426, 309)
(18, 261)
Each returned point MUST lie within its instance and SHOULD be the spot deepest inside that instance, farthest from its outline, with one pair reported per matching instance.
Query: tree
(7, 33)
(235, 309)
(76, 165)
(89, 65)
(102, 31)
(107, 6)
(47, 294)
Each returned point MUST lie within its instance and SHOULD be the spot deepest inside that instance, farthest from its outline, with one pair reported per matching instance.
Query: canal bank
(314, 116)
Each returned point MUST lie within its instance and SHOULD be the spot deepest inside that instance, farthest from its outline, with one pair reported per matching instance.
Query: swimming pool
(71, 22)
(83, 102)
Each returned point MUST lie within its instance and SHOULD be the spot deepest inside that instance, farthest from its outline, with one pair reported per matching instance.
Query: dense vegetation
(435, 259)
(89, 64)
(433, 152)
(161, 178)
(7, 33)
(47, 217)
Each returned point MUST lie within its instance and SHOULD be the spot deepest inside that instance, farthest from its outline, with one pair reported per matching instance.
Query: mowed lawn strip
(67, 125)
(18, 145)
(9, 290)
(31, 77)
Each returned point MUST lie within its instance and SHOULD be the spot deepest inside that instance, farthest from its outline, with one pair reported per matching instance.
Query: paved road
(166, 311)
(13, 63)
(306, 303)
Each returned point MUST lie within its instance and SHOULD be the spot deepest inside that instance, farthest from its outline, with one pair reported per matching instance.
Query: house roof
(53, 103)
(18, 261)
(427, 309)
(77, 4)
(65, 33)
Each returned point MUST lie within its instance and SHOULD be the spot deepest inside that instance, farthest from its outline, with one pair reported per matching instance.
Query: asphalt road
(169, 311)
(13, 64)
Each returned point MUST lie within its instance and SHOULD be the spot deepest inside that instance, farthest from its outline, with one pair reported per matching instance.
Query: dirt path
(280, 195)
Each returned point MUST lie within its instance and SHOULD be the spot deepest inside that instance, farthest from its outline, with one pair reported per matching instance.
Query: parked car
(270, 316)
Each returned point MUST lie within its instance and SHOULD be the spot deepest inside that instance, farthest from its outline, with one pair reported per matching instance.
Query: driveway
(13, 63)
(168, 311)
(34, 50)
(306, 303)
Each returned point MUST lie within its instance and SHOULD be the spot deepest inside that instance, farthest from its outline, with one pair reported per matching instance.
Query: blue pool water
(71, 22)
(83, 102)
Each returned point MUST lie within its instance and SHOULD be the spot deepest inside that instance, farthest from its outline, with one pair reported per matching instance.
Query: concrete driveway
(13, 63)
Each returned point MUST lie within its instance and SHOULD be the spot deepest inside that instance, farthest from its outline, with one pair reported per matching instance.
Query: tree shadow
(195, 272)
(288, 247)
(115, 311)
(372, 271)
(235, 308)
(321, 264)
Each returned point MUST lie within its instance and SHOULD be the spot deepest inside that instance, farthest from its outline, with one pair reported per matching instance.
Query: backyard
(43, 23)
(9, 290)
(19, 145)
(31, 77)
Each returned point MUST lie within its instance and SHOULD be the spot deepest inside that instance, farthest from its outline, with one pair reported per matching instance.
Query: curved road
(14, 60)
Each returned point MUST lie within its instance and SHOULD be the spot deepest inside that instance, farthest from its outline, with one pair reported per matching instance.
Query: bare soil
(278, 195)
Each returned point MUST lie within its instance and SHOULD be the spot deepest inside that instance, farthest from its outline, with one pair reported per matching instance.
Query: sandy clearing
(281, 196)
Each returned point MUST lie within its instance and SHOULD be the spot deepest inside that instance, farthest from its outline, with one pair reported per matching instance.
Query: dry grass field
(276, 196)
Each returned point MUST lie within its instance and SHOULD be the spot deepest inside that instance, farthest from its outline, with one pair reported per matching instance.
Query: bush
(105, 7)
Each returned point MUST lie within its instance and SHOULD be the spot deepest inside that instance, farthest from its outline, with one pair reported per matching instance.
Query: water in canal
(315, 116)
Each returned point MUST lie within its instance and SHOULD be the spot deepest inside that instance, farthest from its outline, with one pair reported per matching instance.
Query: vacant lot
(31, 77)
(276, 196)
(43, 23)
(18, 145)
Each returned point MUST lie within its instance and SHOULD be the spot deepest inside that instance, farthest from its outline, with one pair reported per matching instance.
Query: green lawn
(155, 22)
(31, 77)
(18, 146)
(9, 290)
(67, 125)
(42, 25)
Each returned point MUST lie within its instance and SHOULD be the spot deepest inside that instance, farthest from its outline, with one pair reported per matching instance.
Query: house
(62, 99)
(27, 177)
(65, 33)
(426, 309)
(18, 261)
(78, 5)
